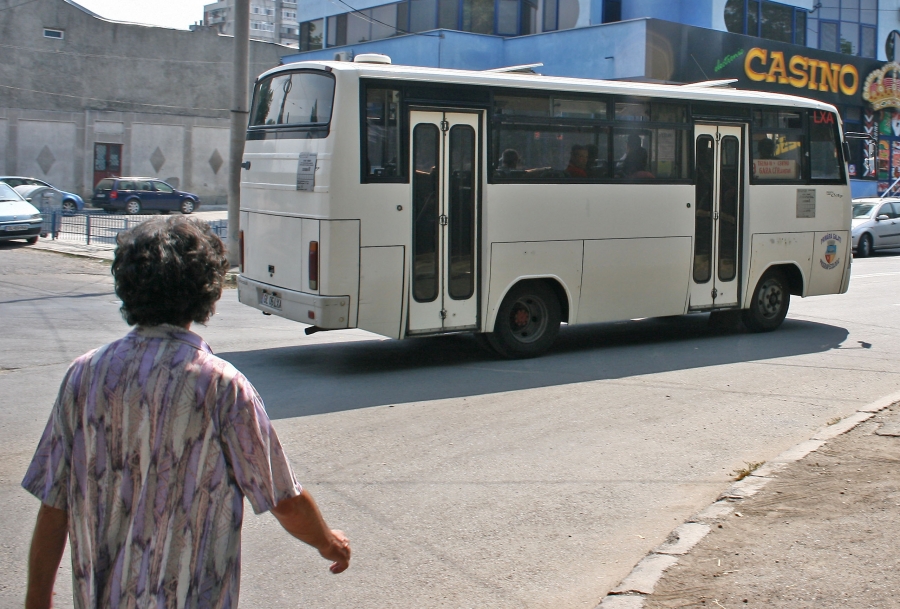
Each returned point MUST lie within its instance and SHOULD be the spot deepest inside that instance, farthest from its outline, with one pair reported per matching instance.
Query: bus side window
(825, 159)
(778, 145)
(382, 156)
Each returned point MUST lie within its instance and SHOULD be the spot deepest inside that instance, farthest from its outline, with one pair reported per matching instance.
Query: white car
(876, 225)
(19, 219)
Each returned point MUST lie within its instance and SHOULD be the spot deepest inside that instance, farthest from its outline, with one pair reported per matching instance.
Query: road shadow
(314, 379)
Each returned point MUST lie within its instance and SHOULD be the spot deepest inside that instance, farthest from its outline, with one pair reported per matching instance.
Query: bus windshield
(293, 98)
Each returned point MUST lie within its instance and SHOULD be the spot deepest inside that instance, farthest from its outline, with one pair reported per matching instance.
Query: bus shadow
(314, 379)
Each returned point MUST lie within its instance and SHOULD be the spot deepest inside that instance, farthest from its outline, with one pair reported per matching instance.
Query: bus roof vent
(709, 84)
(523, 69)
(372, 58)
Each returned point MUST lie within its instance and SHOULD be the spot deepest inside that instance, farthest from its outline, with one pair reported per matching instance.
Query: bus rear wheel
(770, 303)
(527, 322)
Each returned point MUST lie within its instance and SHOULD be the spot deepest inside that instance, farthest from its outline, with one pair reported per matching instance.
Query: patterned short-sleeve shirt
(151, 447)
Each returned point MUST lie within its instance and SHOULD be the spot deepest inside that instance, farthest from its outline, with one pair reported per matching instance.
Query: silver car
(876, 225)
(19, 219)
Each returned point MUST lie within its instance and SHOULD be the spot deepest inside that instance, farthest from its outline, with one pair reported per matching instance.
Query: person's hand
(337, 550)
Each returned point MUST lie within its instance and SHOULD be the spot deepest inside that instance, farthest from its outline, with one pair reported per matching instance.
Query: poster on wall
(884, 159)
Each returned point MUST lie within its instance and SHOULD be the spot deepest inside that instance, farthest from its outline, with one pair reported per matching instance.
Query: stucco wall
(144, 87)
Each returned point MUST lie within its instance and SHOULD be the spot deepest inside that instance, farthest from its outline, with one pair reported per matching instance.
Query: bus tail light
(241, 246)
(313, 265)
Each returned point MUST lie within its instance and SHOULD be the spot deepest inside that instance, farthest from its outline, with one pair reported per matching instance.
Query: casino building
(839, 51)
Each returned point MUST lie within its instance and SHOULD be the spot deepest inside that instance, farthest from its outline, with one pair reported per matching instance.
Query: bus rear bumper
(326, 312)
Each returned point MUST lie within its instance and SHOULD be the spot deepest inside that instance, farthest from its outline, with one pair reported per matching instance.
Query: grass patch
(743, 472)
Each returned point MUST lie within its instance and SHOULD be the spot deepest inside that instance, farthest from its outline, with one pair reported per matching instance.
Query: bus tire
(769, 304)
(527, 322)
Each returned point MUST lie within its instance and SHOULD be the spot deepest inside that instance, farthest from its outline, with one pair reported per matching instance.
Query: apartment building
(270, 20)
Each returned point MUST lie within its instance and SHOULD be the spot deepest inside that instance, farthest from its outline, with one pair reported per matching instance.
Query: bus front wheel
(527, 322)
(770, 303)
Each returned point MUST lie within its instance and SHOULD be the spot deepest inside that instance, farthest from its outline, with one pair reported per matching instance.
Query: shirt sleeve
(258, 463)
(47, 477)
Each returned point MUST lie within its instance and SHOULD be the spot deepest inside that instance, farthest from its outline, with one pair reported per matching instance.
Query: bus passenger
(578, 162)
(634, 164)
(765, 149)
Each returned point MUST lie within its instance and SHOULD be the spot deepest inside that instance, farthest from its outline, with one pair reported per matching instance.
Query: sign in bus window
(777, 156)
(383, 149)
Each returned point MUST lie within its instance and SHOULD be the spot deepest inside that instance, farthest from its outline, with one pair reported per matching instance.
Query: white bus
(411, 201)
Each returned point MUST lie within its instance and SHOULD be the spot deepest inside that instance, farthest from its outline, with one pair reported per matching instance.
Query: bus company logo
(882, 87)
(831, 251)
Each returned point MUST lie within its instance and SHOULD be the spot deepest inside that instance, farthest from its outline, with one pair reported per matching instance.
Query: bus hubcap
(528, 319)
(770, 299)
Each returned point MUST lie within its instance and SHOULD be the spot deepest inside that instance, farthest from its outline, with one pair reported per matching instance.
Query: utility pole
(239, 110)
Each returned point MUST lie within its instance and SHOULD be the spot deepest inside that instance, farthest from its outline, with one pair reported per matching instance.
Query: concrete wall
(146, 88)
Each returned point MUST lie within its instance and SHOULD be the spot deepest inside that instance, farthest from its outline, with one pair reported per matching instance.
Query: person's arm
(301, 518)
(47, 546)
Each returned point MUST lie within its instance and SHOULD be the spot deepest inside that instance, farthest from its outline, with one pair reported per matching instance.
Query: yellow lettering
(850, 70)
(755, 53)
(813, 64)
(798, 65)
(830, 76)
(777, 68)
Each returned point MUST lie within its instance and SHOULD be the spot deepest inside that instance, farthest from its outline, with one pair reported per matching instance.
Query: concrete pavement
(466, 481)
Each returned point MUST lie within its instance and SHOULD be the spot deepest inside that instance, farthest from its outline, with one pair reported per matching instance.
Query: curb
(639, 584)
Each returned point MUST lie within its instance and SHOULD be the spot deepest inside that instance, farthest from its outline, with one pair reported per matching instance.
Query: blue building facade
(832, 50)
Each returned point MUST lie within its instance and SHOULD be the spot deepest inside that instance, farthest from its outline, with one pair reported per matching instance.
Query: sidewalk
(817, 527)
(74, 248)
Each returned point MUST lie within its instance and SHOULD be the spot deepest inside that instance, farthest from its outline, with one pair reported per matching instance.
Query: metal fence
(101, 229)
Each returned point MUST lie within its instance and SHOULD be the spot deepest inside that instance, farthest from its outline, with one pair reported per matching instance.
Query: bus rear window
(293, 99)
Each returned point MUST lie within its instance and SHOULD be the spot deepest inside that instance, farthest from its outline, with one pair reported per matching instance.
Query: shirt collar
(170, 332)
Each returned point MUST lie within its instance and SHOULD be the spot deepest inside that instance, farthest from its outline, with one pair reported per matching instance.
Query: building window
(311, 35)
(844, 26)
(612, 11)
(56, 34)
(770, 20)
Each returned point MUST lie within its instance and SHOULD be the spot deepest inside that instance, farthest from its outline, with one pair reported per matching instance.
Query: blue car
(71, 202)
(136, 195)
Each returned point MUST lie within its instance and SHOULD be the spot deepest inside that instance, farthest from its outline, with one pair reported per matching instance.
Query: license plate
(270, 300)
(16, 227)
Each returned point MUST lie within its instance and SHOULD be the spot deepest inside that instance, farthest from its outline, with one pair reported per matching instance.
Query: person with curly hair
(153, 444)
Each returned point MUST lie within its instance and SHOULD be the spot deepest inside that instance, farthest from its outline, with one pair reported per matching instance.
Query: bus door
(444, 198)
(717, 217)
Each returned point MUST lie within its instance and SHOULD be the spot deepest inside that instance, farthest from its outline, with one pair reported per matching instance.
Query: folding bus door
(715, 272)
(445, 196)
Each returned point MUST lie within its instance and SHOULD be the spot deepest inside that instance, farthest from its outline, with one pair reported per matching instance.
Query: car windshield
(863, 210)
(8, 194)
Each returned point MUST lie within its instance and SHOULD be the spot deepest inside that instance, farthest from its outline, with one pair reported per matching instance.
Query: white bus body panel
(631, 278)
(381, 290)
(514, 262)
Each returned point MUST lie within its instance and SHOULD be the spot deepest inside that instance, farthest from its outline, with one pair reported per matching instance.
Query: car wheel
(770, 303)
(31, 240)
(864, 248)
(69, 207)
(133, 207)
(527, 322)
(187, 206)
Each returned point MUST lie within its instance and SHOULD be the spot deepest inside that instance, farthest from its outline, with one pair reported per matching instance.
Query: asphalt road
(464, 481)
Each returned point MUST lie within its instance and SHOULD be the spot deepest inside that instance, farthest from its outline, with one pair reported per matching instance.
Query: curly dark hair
(169, 271)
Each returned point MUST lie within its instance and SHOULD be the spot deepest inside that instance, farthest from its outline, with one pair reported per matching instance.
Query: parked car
(876, 225)
(70, 201)
(19, 219)
(134, 195)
